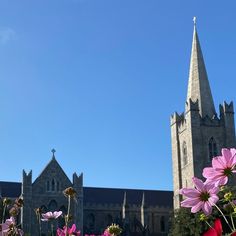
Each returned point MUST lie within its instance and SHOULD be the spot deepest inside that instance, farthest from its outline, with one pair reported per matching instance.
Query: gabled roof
(133, 196)
(52, 166)
(10, 189)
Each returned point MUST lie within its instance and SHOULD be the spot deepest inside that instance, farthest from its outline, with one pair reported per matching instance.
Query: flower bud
(203, 217)
(114, 229)
(19, 202)
(38, 211)
(14, 211)
(69, 192)
(228, 196)
(6, 202)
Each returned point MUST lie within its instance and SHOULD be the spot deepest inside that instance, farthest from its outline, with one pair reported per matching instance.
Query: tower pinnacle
(194, 20)
(198, 84)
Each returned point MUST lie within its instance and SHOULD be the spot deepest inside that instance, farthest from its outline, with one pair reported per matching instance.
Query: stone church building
(199, 133)
(138, 212)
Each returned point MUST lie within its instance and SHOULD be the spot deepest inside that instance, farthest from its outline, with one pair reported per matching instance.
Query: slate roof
(133, 196)
(10, 189)
(94, 195)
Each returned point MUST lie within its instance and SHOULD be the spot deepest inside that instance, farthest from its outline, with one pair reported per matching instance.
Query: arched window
(212, 148)
(48, 186)
(53, 185)
(52, 206)
(162, 223)
(58, 186)
(184, 153)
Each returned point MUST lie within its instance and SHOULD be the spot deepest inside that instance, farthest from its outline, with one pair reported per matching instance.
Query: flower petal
(207, 208)
(213, 199)
(218, 226)
(197, 207)
(56, 214)
(190, 202)
(198, 184)
(190, 192)
(210, 232)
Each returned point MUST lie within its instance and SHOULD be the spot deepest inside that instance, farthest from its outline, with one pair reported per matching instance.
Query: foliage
(185, 223)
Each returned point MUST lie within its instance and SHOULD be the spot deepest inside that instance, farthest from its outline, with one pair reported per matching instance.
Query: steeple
(198, 84)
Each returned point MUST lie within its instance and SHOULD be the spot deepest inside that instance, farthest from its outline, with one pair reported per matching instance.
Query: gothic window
(212, 148)
(184, 153)
(48, 186)
(52, 206)
(53, 185)
(58, 186)
(162, 223)
(90, 221)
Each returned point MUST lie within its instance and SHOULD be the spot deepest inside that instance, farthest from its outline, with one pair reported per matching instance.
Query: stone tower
(199, 133)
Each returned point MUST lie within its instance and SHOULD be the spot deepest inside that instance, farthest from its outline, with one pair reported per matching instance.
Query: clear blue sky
(98, 80)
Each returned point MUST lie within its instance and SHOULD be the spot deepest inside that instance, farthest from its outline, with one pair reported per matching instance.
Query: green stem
(40, 228)
(68, 213)
(208, 224)
(52, 228)
(232, 221)
(223, 217)
(3, 214)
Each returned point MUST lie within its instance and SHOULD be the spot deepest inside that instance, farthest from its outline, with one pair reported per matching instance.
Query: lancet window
(185, 154)
(212, 148)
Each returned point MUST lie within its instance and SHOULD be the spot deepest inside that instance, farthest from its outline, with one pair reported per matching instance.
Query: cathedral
(199, 133)
(138, 212)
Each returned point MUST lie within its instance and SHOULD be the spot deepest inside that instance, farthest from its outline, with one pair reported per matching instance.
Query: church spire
(198, 84)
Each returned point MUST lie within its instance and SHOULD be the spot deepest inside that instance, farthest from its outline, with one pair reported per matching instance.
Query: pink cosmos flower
(222, 167)
(51, 215)
(202, 197)
(69, 231)
(9, 225)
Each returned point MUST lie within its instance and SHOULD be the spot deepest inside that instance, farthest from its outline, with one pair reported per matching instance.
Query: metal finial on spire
(194, 20)
(53, 152)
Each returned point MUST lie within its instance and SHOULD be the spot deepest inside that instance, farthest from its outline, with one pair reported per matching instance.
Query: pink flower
(9, 225)
(106, 233)
(222, 167)
(51, 216)
(202, 197)
(69, 231)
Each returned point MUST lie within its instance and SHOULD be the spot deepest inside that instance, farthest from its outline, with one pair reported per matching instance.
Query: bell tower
(199, 133)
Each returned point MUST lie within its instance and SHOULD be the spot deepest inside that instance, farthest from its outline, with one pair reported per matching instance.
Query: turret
(227, 116)
(26, 191)
(125, 209)
(78, 213)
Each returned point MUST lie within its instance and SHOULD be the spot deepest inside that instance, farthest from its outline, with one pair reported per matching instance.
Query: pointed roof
(198, 84)
(53, 168)
(143, 200)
